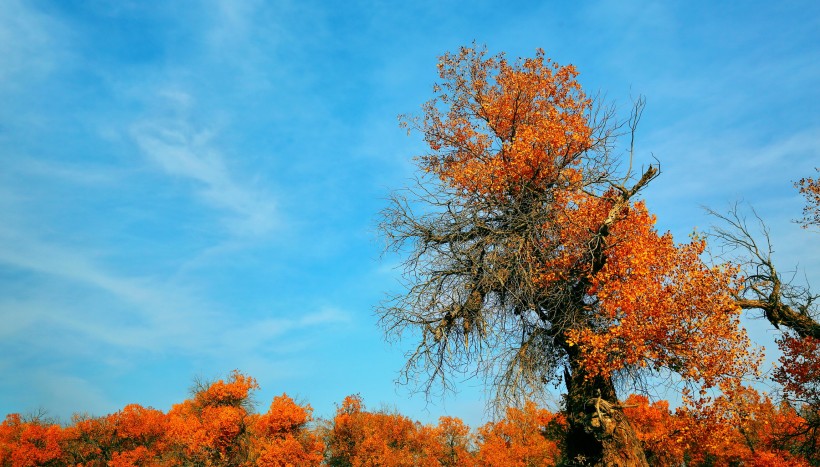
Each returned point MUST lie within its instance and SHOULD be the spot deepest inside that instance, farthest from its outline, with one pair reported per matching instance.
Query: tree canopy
(531, 258)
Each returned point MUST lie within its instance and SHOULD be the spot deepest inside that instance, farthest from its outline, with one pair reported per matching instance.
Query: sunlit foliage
(810, 189)
(531, 259)
(739, 428)
(524, 437)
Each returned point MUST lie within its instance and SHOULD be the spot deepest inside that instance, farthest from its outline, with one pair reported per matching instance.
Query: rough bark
(599, 434)
(782, 302)
(779, 314)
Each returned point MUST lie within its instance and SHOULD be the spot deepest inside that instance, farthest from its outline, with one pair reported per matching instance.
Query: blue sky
(191, 187)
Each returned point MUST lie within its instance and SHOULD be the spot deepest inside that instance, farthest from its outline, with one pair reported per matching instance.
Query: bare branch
(781, 301)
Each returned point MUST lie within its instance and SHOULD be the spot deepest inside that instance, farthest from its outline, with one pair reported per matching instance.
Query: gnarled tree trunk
(599, 434)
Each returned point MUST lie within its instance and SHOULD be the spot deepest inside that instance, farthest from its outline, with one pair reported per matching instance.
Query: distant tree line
(217, 427)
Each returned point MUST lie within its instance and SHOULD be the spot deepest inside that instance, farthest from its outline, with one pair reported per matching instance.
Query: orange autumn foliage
(740, 427)
(281, 436)
(140, 432)
(212, 427)
(526, 124)
(361, 438)
(658, 305)
(662, 435)
(453, 442)
(521, 438)
(799, 370)
(799, 375)
(133, 436)
(29, 444)
(810, 189)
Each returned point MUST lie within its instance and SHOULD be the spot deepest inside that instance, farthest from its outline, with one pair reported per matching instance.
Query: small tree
(788, 306)
(25, 443)
(531, 259)
(133, 436)
(211, 428)
(281, 437)
(358, 438)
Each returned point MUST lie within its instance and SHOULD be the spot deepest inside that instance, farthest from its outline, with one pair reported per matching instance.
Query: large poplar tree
(531, 260)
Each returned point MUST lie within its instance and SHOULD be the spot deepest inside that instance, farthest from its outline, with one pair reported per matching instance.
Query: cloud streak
(181, 150)
(145, 312)
(27, 44)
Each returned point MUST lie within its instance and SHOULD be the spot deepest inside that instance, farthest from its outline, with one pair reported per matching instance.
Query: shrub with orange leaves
(799, 370)
(281, 437)
(361, 438)
(30, 443)
(234, 392)
(90, 440)
(133, 436)
(212, 427)
(799, 374)
(662, 435)
(739, 427)
(521, 438)
(453, 444)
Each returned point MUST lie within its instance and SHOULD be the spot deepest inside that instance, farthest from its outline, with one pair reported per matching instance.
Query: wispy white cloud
(730, 165)
(232, 21)
(73, 174)
(260, 331)
(27, 43)
(73, 308)
(154, 311)
(180, 149)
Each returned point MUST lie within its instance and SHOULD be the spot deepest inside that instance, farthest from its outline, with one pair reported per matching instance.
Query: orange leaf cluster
(741, 426)
(799, 370)
(454, 442)
(521, 438)
(362, 438)
(810, 188)
(133, 436)
(660, 306)
(524, 124)
(799, 374)
(662, 435)
(281, 436)
(25, 444)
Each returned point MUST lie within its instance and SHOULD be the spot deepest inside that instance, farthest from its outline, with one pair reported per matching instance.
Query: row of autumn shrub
(216, 427)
